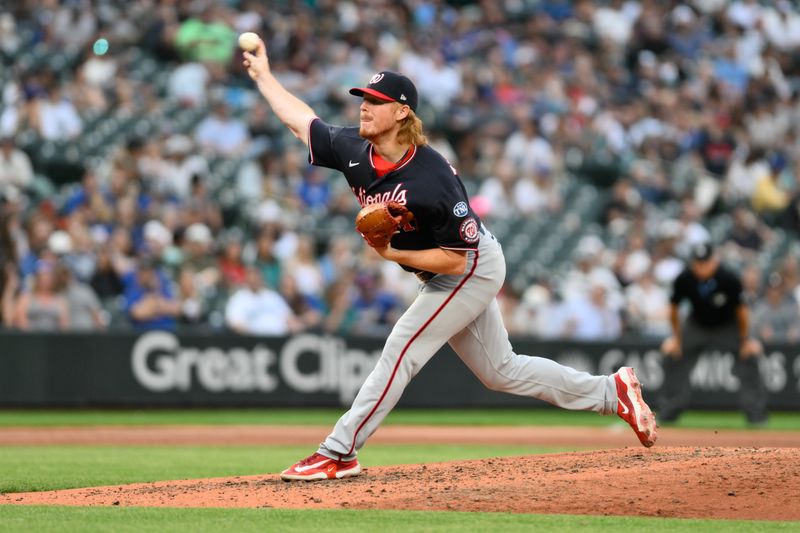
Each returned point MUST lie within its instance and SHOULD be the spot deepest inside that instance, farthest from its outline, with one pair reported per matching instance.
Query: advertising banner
(164, 369)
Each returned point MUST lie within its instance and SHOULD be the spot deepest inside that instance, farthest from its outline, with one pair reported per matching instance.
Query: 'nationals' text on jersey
(426, 184)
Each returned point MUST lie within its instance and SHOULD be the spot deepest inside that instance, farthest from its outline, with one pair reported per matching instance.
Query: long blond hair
(411, 131)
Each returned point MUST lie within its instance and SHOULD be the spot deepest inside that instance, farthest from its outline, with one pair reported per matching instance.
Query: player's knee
(496, 382)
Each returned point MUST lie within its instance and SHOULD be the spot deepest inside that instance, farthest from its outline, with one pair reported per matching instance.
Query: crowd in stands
(684, 115)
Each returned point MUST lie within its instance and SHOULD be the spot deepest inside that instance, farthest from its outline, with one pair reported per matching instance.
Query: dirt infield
(691, 474)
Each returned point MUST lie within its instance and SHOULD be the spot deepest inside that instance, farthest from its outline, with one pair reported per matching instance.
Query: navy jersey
(714, 301)
(426, 184)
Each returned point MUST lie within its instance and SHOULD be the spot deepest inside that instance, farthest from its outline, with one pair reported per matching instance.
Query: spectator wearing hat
(75, 249)
(198, 254)
(157, 238)
(719, 320)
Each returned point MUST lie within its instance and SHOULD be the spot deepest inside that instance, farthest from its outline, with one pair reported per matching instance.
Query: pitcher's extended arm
(292, 111)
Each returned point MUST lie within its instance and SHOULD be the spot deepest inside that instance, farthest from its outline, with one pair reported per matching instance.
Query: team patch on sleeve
(469, 231)
(460, 209)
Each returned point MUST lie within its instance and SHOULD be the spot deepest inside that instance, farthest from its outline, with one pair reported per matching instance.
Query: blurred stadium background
(598, 140)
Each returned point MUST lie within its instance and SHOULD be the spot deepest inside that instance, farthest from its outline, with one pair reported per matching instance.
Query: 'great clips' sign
(164, 369)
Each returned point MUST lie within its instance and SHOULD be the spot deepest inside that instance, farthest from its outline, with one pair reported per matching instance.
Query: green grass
(37, 468)
(274, 520)
(29, 468)
(789, 421)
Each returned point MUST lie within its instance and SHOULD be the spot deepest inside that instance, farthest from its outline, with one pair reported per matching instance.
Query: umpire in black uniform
(719, 320)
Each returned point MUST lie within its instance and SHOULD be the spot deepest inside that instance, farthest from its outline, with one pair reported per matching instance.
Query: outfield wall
(163, 369)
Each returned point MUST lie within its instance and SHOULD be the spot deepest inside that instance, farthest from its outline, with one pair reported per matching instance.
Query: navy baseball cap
(390, 86)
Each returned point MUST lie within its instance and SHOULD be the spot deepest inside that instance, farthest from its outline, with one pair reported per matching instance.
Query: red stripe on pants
(408, 345)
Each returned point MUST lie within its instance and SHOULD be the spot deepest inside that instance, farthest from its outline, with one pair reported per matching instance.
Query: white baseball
(248, 41)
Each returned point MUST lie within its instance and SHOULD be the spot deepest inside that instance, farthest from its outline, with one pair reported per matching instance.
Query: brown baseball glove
(378, 223)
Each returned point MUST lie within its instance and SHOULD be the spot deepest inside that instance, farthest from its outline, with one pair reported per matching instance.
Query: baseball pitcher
(416, 213)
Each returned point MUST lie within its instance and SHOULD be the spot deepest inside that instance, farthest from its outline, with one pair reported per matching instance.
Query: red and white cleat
(632, 408)
(317, 467)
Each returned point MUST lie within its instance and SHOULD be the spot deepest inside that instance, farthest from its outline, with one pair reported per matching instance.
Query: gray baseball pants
(462, 310)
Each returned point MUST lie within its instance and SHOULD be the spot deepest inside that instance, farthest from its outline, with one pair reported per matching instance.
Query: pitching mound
(734, 483)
